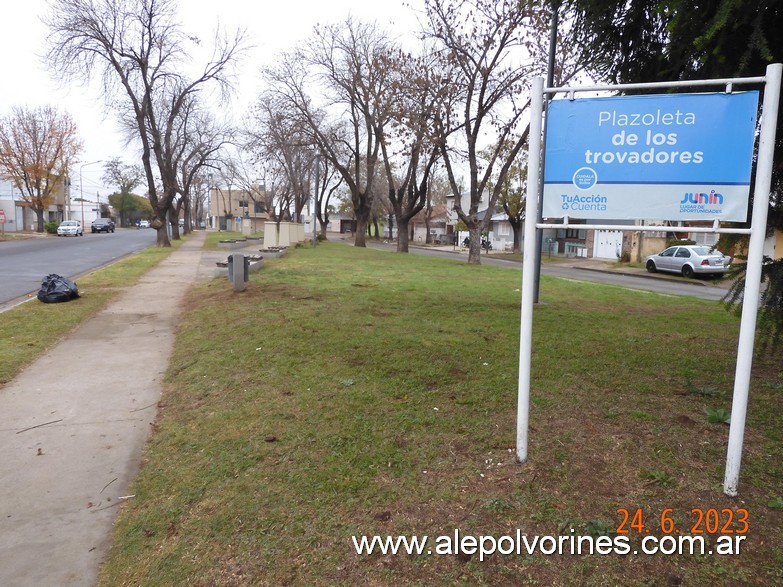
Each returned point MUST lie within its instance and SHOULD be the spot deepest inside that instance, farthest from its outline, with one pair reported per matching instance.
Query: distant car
(144, 224)
(689, 260)
(102, 225)
(70, 228)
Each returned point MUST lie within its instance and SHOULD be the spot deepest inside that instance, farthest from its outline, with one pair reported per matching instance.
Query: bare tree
(328, 181)
(138, 51)
(37, 147)
(348, 60)
(196, 146)
(416, 94)
(488, 45)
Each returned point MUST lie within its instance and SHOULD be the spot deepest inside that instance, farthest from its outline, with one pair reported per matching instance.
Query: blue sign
(667, 157)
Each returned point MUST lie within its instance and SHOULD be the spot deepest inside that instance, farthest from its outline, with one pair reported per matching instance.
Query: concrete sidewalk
(73, 425)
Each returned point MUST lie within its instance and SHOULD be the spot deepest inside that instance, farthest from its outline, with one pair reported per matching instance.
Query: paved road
(587, 270)
(26, 262)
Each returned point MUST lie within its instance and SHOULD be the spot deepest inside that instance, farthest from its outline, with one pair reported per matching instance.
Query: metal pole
(81, 190)
(315, 196)
(528, 267)
(750, 300)
(550, 81)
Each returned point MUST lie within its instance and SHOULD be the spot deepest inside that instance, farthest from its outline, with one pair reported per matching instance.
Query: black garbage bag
(55, 288)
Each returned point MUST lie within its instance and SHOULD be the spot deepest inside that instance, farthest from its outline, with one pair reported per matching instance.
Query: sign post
(750, 300)
(2, 220)
(668, 157)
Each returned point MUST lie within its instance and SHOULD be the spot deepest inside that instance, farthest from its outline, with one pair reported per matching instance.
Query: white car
(70, 228)
(689, 260)
(144, 224)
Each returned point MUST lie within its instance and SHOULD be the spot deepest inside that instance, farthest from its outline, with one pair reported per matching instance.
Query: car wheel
(687, 271)
(651, 266)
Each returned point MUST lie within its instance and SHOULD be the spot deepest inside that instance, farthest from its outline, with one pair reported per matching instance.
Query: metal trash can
(246, 276)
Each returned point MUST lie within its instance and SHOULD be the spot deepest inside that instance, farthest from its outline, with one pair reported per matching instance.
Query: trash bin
(246, 276)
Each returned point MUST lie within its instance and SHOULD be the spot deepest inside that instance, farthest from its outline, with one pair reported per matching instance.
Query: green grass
(31, 328)
(350, 391)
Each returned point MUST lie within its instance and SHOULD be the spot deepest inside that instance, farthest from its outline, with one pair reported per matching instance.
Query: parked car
(689, 260)
(70, 228)
(144, 223)
(102, 225)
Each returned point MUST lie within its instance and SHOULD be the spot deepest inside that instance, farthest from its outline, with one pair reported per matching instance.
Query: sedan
(689, 260)
(70, 228)
(102, 225)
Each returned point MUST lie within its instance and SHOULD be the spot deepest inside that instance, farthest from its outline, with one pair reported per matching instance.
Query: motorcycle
(485, 244)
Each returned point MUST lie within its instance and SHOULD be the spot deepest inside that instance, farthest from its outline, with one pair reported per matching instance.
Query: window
(259, 208)
(504, 229)
(685, 253)
(669, 252)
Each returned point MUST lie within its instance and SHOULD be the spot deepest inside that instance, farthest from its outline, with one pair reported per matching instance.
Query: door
(607, 244)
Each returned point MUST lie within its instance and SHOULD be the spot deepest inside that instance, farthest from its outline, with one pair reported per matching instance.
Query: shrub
(51, 226)
(679, 241)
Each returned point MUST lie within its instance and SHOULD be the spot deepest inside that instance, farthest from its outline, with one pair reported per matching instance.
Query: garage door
(608, 244)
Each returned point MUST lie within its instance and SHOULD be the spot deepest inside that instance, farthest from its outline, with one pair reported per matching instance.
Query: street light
(81, 190)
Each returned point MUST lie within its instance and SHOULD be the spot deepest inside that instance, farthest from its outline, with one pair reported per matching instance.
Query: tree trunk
(324, 223)
(159, 224)
(517, 238)
(402, 236)
(40, 220)
(361, 230)
(391, 227)
(174, 223)
(474, 251)
(516, 228)
(377, 228)
(428, 237)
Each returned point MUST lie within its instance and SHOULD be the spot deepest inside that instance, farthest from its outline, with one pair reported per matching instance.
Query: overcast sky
(272, 27)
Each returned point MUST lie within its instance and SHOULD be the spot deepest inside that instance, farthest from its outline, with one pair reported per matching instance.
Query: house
(237, 209)
(440, 227)
(19, 216)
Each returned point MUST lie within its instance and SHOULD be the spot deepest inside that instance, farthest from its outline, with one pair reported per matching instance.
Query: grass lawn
(27, 330)
(351, 392)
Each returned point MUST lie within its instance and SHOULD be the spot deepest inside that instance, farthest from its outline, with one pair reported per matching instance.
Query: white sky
(271, 27)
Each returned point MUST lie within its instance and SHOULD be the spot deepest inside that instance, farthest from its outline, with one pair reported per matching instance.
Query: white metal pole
(528, 267)
(750, 300)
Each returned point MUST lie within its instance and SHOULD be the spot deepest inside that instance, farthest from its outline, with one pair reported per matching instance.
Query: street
(25, 262)
(582, 270)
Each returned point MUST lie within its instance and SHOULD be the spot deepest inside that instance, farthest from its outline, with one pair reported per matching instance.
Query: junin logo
(702, 198)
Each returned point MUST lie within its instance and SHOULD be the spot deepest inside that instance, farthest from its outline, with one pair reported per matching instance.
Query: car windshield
(70, 223)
